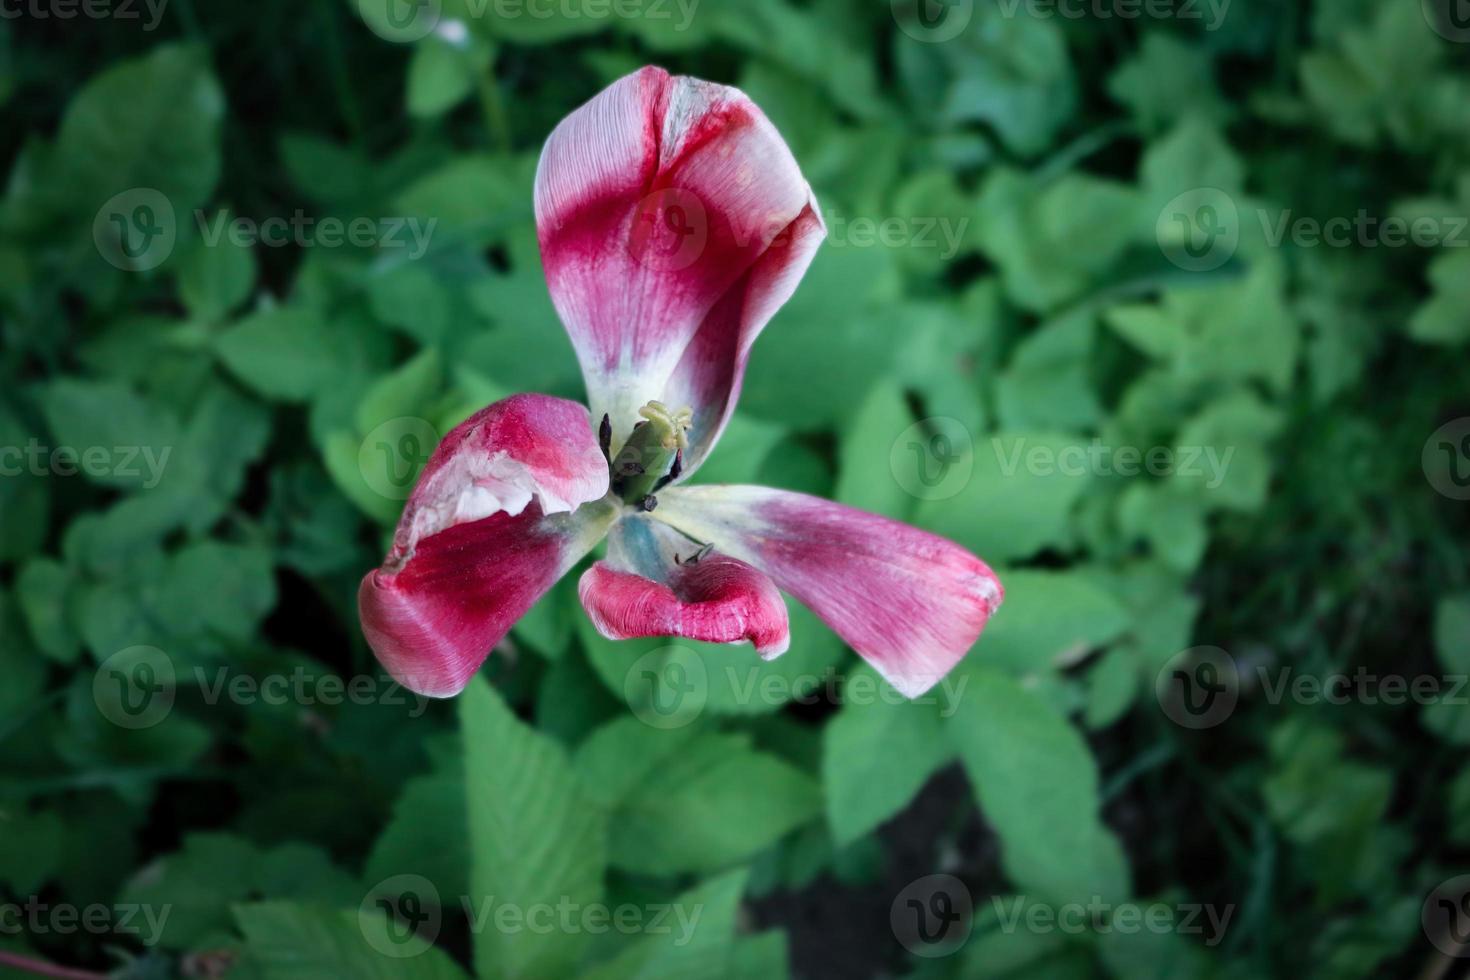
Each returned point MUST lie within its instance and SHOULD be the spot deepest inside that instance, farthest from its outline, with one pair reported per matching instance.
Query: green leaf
(408, 391)
(214, 279)
(24, 667)
(286, 354)
(865, 478)
(533, 837)
(47, 593)
(291, 941)
(152, 122)
(700, 941)
(1037, 786)
(199, 883)
(1050, 619)
(1019, 498)
(876, 754)
(1443, 319)
(31, 846)
(108, 428)
(1452, 632)
(684, 801)
(1191, 90)
(426, 836)
(440, 75)
(25, 498)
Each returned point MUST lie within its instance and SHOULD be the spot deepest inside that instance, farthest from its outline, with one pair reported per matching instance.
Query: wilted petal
(673, 223)
(501, 458)
(433, 621)
(488, 529)
(909, 602)
(656, 582)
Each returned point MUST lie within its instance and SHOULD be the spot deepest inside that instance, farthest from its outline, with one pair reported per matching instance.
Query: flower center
(653, 454)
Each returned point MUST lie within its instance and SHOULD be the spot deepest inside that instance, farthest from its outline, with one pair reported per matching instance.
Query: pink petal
(501, 458)
(433, 621)
(487, 530)
(640, 590)
(909, 602)
(673, 223)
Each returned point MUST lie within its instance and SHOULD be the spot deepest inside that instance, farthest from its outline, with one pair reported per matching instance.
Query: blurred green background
(1159, 308)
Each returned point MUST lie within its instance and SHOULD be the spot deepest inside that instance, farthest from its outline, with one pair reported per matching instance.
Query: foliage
(244, 414)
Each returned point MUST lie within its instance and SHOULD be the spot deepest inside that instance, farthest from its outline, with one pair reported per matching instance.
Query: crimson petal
(674, 222)
(655, 582)
(492, 524)
(909, 602)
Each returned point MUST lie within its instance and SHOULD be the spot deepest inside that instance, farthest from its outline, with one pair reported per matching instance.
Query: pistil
(653, 454)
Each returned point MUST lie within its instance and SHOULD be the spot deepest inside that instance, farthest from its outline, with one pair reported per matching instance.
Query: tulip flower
(673, 223)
